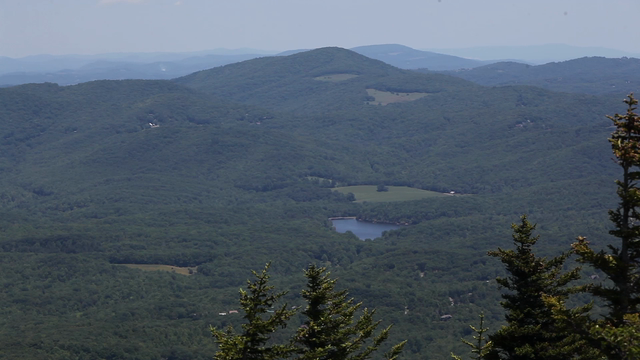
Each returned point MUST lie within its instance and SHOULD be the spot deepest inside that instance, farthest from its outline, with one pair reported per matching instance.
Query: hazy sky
(30, 27)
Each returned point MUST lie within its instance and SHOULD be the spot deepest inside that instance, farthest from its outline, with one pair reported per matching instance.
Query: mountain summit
(322, 79)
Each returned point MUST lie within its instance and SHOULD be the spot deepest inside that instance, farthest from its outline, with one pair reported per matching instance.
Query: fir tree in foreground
(532, 331)
(480, 349)
(621, 342)
(251, 344)
(621, 264)
(330, 332)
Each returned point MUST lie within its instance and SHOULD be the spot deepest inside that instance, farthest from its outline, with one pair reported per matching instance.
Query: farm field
(335, 77)
(93, 193)
(369, 193)
(155, 267)
(385, 97)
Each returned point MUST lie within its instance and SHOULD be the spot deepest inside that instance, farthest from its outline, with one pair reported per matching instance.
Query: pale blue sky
(29, 27)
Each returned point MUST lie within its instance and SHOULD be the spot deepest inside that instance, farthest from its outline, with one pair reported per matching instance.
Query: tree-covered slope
(114, 69)
(405, 57)
(226, 169)
(296, 82)
(459, 136)
(589, 75)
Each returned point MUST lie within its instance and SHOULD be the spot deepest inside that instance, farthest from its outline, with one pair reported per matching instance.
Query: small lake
(362, 229)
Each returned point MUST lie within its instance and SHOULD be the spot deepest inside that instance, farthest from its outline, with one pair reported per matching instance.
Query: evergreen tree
(622, 264)
(532, 332)
(251, 343)
(623, 340)
(479, 350)
(329, 332)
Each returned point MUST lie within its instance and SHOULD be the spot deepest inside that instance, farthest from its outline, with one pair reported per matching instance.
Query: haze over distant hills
(41, 63)
(121, 70)
(225, 169)
(537, 54)
(405, 57)
(591, 75)
(73, 69)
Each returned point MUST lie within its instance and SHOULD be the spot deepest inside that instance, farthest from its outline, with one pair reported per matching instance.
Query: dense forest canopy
(590, 75)
(226, 169)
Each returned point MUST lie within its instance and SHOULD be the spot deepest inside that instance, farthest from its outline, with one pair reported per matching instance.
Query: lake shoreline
(362, 229)
(367, 221)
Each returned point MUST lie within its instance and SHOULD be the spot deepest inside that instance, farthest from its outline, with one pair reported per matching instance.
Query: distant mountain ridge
(289, 83)
(594, 76)
(405, 57)
(342, 110)
(229, 167)
(537, 54)
(591, 75)
(74, 69)
(48, 63)
(107, 69)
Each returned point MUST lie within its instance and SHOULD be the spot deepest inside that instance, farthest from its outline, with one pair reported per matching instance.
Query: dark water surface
(362, 229)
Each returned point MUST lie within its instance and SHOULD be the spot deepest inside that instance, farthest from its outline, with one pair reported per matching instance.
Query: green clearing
(385, 97)
(156, 267)
(395, 193)
(335, 77)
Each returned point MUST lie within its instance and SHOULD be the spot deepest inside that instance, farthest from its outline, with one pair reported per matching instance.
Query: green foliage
(89, 181)
(621, 342)
(329, 331)
(482, 347)
(590, 75)
(532, 331)
(251, 343)
(621, 265)
(370, 193)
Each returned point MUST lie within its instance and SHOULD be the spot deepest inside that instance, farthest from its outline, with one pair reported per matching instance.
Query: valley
(101, 215)
(363, 230)
(371, 193)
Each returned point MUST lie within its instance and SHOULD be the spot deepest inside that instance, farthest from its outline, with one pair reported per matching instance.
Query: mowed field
(156, 267)
(395, 193)
(385, 97)
(336, 77)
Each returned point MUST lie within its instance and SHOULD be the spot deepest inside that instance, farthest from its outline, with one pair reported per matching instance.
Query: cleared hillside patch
(157, 267)
(335, 77)
(386, 97)
(395, 193)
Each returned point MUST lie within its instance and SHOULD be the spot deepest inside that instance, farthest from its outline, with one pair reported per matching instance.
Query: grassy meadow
(335, 77)
(369, 193)
(157, 267)
(385, 97)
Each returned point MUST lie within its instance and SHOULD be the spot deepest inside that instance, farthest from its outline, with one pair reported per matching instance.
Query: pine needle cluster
(331, 330)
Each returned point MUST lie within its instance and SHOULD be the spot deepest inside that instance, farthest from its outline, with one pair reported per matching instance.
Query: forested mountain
(114, 69)
(405, 57)
(589, 75)
(54, 63)
(226, 169)
(535, 54)
(69, 70)
(456, 125)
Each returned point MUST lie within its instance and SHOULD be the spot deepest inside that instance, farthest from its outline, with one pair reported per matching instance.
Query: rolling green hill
(457, 137)
(589, 75)
(405, 57)
(226, 169)
(290, 83)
